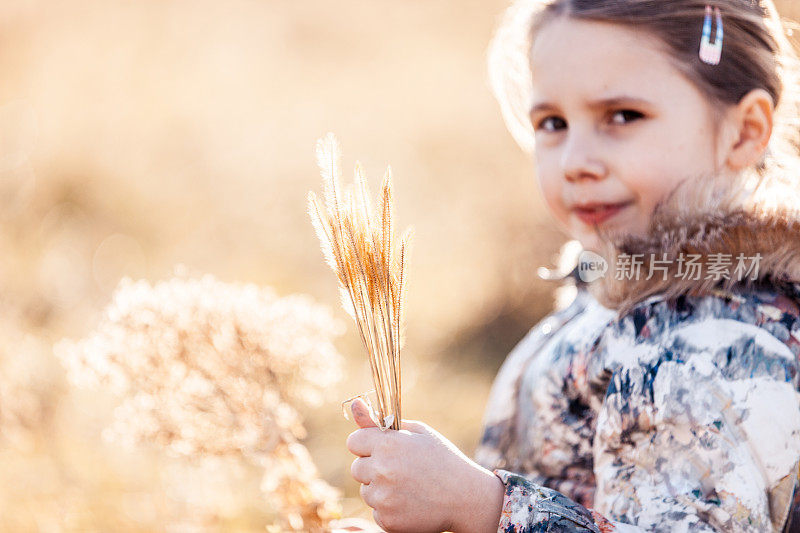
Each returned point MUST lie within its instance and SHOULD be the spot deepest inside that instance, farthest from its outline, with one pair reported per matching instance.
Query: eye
(628, 112)
(542, 123)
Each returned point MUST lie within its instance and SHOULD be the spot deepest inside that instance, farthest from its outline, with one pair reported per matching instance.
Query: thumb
(361, 414)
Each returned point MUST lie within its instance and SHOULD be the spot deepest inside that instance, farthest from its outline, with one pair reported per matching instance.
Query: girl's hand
(359, 525)
(417, 481)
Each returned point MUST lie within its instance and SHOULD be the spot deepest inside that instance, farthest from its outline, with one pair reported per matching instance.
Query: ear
(752, 122)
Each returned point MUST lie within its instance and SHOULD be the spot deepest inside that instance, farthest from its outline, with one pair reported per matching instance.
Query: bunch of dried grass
(358, 245)
(207, 368)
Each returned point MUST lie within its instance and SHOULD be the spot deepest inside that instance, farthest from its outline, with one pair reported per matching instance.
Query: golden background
(135, 136)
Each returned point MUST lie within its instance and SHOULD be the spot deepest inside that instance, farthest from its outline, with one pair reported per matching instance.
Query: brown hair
(755, 54)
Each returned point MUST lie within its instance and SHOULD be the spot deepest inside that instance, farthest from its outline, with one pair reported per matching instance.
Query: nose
(580, 160)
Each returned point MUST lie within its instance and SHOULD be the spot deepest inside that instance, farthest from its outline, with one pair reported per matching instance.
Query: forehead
(573, 58)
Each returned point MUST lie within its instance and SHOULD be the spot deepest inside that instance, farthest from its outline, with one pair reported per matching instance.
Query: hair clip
(710, 53)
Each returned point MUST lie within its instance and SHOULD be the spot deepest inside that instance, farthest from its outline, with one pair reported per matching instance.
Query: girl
(664, 396)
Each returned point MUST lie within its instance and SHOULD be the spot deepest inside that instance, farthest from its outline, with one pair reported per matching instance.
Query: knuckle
(360, 470)
(390, 522)
(351, 440)
(408, 424)
(387, 472)
(382, 521)
(376, 516)
(385, 448)
(380, 447)
(373, 496)
(420, 426)
(364, 492)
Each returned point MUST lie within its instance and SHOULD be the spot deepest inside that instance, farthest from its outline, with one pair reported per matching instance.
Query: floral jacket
(651, 405)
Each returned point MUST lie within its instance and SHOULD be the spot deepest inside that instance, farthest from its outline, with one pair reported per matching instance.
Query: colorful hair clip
(710, 53)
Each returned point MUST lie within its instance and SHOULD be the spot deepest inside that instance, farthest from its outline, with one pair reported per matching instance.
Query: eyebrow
(595, 104)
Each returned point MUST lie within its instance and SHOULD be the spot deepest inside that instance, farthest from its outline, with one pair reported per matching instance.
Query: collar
(721, 225)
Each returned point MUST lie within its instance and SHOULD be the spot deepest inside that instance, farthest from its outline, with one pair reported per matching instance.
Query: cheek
(678, 148)
(551, 189)
(652, 173)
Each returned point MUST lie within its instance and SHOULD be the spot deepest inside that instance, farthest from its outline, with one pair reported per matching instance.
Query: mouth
(597, 213)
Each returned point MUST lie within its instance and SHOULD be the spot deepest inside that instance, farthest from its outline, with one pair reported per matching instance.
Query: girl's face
(615, 124)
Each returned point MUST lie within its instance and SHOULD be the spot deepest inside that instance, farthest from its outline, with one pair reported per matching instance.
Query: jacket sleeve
(699, 431)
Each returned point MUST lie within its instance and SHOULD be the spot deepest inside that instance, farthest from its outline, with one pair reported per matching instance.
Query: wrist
(483, 503)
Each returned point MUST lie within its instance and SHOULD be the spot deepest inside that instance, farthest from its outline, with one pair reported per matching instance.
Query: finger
(367, 494)
(362, 441)
(353, 524)
(379, 520)
(361, 470)
(361, 414)
(414, 426)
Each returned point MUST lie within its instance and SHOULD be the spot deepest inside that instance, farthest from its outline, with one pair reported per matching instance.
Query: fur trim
(704, 217)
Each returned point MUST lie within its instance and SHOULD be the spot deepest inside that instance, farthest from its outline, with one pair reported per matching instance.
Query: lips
(596, 213)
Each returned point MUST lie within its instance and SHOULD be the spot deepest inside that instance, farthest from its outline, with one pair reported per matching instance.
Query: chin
(590, 242)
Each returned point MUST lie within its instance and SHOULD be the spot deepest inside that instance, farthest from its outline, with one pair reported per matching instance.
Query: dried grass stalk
(359, 245)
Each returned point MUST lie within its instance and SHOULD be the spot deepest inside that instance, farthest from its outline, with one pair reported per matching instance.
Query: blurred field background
(141, 135)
